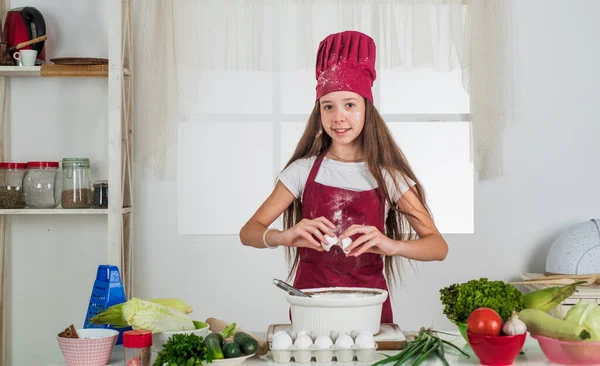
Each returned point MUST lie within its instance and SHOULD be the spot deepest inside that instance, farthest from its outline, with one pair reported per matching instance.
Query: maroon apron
(343, 208)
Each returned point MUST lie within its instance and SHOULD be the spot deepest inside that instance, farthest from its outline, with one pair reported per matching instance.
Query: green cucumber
(231, 350)
(247, 343)
(213, 343)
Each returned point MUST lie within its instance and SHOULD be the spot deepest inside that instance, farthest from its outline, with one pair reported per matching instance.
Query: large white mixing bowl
(341, 309)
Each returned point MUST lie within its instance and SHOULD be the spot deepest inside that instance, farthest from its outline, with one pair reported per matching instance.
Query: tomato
(485, 321)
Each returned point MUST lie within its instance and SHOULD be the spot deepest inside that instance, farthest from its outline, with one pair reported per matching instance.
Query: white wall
(551, 182)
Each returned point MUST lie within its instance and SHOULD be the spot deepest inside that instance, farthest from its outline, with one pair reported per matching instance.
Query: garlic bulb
(514, 325)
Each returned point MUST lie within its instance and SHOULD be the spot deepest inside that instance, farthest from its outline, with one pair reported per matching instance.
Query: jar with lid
(100, 194)
(11, 185)
(137, 346)
(76, 183)
(41, 184)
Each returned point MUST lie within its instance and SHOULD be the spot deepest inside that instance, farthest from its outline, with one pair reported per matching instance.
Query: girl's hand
(371, 241)
(301, 234)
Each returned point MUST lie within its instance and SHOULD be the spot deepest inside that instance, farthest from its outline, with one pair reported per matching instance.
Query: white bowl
(160, 339)
(341, 309)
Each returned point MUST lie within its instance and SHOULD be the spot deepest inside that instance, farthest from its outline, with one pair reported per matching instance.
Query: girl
(347, 179)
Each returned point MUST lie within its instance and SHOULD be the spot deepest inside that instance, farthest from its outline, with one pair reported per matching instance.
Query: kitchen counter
(533, 356)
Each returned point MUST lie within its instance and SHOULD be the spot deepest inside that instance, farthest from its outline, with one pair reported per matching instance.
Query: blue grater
(107, 291)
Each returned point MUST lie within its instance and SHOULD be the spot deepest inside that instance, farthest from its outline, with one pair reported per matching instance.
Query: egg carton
(356, 352)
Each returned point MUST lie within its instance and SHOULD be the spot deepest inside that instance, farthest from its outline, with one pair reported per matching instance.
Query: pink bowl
(570, 353)
(93, 347)
(496, 350)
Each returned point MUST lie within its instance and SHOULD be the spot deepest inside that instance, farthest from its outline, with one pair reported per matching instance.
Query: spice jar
(11, 185)
(41, 186)
(137, 346)
(100, 194)
(76, 183)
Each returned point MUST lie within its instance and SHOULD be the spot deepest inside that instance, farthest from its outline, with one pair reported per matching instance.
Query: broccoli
(460, 300)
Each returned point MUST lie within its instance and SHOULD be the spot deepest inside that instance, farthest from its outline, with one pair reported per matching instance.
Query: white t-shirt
(333, 173)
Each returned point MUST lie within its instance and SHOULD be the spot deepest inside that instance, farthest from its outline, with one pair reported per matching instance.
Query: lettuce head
(588, 316)
(142, 314)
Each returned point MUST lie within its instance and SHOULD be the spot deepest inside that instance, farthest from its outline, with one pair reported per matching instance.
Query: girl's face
(342, 115)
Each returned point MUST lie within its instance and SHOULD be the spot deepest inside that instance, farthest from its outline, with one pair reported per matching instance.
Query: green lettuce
(460, 300)
(142, 314)
(588, 316)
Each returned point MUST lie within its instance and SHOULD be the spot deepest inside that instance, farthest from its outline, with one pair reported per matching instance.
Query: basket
(107, 291)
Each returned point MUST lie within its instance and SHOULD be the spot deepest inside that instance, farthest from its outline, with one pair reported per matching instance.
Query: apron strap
(313, 174)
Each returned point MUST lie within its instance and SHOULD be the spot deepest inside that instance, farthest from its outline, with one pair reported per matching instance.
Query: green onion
(425, 344)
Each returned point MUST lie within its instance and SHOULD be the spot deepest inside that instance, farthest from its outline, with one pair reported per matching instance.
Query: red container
(496, 350)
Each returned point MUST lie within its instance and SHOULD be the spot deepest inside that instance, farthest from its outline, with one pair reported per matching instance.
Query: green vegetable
(183, 349)
(548, 298)
(247, 343)
(213, 343)
(231, 350)
(544, 324)
(142, 314)
(460, 300)
(587, 315)
(426, 343)
(114, 314)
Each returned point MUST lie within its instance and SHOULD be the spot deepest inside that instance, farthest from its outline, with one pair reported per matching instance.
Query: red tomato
(484, 321)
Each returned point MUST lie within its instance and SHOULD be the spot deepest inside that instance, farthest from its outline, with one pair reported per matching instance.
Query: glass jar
(100, 194)
(11, 185)
(41, 186)
(76, 183)
(137, 346)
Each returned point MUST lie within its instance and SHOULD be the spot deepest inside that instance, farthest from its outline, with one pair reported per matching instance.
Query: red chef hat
(346, 61)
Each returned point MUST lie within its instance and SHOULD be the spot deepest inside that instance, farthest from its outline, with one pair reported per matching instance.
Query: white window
(244, 126)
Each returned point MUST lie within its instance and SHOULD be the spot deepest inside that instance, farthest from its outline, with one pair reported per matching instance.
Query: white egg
(344, 341)
(303, 341)
(302, 332)
(345, 243)
(280, 333)
(281, 340)
(323, 342)
(365, 340)
(331, 240)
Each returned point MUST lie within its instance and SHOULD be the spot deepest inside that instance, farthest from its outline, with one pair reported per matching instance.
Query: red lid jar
(137, 339)
(137, 346)
(11, 185)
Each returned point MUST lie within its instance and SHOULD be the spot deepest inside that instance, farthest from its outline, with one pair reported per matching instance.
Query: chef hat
(346, 61)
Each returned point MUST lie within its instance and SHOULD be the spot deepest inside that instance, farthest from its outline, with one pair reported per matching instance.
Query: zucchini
(544, 324)
(247, 343)
(231, 350)
(213, 343)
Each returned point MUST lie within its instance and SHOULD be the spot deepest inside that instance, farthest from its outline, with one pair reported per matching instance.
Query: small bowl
(160, 339)
(93, 347)
(496, 350)
(570, 353)
(462, 328)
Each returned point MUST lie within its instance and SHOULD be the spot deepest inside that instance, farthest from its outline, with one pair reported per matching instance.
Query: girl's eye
(350, 105)
(327, 107)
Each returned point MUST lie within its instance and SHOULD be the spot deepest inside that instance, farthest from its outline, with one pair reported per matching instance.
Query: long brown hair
(382, 153)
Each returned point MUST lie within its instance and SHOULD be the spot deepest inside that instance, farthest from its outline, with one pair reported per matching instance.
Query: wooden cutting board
(389, 338)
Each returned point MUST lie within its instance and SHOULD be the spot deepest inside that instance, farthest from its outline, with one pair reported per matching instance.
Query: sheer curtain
(176, 39)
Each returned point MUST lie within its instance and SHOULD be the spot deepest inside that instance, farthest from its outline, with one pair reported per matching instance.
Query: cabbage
(587, 315)
(142, 314)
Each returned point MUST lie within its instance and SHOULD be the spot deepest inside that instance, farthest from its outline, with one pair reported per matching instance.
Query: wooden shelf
(61, 211)
(57, 71)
